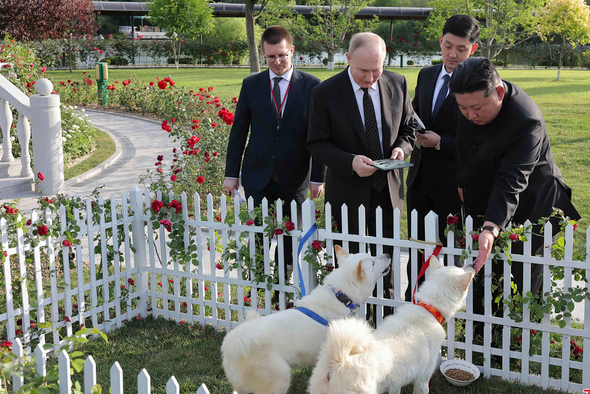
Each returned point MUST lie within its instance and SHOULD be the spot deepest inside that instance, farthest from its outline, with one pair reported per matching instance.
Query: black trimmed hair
(464, 26)
(274, 35)
(473, 75)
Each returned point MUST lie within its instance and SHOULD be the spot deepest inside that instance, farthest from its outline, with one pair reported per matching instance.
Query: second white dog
(258, 354)
(404, 349)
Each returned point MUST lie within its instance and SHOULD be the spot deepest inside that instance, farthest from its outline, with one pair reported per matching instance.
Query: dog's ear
(434, 264)
(465, 280)
(341, 254)
(356, 350)
(359, 271)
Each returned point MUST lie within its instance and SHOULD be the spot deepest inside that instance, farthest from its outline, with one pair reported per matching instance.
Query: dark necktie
(276, 92)
(379, 178)
(442, 95)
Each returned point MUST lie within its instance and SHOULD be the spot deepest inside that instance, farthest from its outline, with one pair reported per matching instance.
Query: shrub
(436, 61)
(325, 61)
(585, 57)
(182, 60)
(498, 62)
(410, 62)
(116, 61)
(77, 135)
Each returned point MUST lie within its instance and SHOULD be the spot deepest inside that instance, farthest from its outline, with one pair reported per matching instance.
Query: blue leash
(313, 315)
(302, 241)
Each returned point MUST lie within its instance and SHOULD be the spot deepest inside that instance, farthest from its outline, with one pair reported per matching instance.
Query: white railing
(43, 109)
(201, 292)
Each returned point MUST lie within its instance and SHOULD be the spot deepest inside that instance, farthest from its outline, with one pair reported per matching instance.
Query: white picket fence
(177, 290)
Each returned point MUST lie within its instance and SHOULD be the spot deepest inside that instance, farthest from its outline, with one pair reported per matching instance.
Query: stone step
(14, 187)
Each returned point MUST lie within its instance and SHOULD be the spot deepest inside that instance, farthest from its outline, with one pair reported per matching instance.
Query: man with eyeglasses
(272, 117)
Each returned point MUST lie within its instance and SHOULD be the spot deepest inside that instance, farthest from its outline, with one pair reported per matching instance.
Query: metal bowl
(462, 365)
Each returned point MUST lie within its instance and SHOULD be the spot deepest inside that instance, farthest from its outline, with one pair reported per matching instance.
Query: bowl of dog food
(459, 372)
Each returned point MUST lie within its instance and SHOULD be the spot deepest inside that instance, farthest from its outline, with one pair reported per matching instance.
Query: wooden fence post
(139, 256)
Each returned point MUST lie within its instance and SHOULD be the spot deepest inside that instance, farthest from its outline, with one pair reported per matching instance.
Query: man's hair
(274, 35)
(473, 75)
(464, 26)
(365, 39)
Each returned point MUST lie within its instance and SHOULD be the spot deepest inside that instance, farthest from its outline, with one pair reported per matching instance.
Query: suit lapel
(429, 95)
(386, 115)
(350, 106)
(265, 101)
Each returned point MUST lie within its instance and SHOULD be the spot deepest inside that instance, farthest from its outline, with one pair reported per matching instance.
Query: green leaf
(77, 353)
(562, 323)
(77, 364)
(570, 306)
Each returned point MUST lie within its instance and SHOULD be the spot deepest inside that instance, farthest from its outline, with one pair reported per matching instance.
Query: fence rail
(123, 268)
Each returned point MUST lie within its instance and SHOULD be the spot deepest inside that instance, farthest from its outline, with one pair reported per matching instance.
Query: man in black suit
(432, 181)
(273, 108)
(357, 116)
(506, 169)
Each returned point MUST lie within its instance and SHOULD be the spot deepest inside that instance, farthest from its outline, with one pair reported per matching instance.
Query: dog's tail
(343, 365)
(251, 314)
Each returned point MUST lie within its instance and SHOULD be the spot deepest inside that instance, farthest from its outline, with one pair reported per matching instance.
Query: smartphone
(421, 126)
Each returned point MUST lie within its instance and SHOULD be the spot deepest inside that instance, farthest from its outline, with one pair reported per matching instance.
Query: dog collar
(435, 312)
(343, 298)
(313, 315)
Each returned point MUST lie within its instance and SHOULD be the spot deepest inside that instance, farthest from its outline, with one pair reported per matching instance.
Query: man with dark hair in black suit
(432, 183)
(506, 169)
(357, 116)
(272, 116)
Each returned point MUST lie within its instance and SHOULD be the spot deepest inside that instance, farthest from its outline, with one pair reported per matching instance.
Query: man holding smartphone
(432, 181)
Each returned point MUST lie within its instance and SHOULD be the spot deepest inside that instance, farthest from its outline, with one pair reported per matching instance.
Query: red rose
(166, 223)
(475, 237)
(452, 220)
(200, 179)
(290, 226)
(513, 237)
(131, 281)
(173, 178)
(219, 266)
(575, 226)
(162, 84)
(250, 222)
(330, 267)
(42, 230)
(40, 176)
(278, 231)
(67, 319)
(160, 157)
(18, 332)
(156, 205)
(317, 245)
(66, 243)
(176, 205)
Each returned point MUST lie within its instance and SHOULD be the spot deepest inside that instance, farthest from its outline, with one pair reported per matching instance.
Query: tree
(182, 19)
(566, 22)
(331, 25)
(37, 20)
(503, 23)
(251, 17)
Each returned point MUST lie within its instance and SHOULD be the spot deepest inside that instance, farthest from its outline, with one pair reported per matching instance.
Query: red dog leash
(424, 267)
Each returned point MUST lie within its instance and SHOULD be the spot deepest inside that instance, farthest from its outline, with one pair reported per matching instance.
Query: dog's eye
(373, 262)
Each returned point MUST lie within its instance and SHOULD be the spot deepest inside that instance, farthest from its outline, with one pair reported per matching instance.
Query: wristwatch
(437, 146)
(494, 230)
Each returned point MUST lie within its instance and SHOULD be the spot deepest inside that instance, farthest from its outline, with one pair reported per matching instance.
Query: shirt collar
(286, 76)
(444, 72)
(356, 87)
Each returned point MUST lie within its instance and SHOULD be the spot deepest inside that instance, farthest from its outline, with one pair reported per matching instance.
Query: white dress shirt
(283, 85)
(438, 86)
(374, 93)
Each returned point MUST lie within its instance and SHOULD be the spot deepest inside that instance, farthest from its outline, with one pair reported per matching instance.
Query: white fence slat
(7, 281)
(25, 305)
(153, 281)
(586, 355)
(236, 235)
(187, 264)
(80, 272)
(105, 267)
(89, 374)
(18, 380)
(177, 279)
(212, 235)
(65, 258)
(38, 282)
(344, 228)
(139, 256)
(116, 259)
(224, 288)
(200, 252)
(172, 386)
(144, 382)
(116, 378)
(53, 278)
(396, 257)
(65, 379)
(40, 360)
(91, 258)
(126, 221)
(470, 300)
(203, 389)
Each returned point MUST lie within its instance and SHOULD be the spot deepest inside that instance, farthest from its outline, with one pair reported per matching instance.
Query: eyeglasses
(272, 59)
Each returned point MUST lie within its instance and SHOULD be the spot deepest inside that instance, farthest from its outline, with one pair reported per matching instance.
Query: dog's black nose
(387, 256)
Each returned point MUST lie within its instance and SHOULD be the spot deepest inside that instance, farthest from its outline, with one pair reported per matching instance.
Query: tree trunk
(330, 65)
(561, 48)
(252, 47)
(70, 53)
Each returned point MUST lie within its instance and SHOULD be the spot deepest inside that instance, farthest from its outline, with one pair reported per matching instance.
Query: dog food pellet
(459, 374)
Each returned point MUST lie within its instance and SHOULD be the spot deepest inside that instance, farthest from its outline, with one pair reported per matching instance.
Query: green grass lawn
(192, 354)
(565, 104)
(105, 147)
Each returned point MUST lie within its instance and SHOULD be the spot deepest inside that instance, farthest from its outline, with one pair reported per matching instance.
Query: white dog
(405, 347)
(258, 354)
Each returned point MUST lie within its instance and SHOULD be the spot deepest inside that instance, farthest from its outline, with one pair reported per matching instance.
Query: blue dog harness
(343, 298)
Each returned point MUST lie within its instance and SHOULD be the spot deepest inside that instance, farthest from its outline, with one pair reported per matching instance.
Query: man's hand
(363, 166)
(231, 185)
(316, 190)
(397, 154)
(486, 241)
(429, 139)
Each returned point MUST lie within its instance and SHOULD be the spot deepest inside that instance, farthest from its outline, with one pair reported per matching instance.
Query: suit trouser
(273, 192)
(378, 199)
(418, 199)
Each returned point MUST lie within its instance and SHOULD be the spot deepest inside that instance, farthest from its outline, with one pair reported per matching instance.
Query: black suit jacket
(268, 146)
(337, 134)
(506, 167)
(438, 168)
